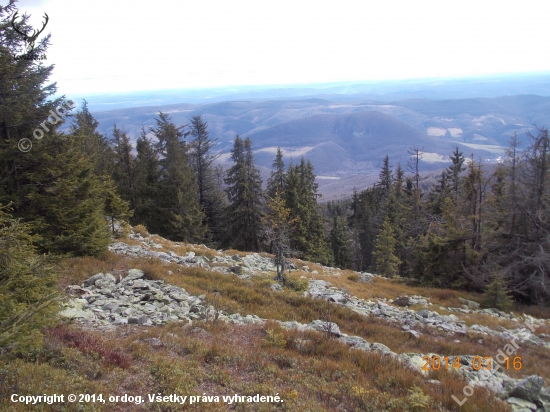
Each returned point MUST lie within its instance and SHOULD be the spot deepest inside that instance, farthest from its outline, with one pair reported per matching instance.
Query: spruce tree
(340, 243)
(210, 195)
(308, 234)
(24, 104)
(124, 168)
(244, 191)
(277, 222)
(179, 215)
(387, 264)
(147, 169)
(28, 287)
(54, 186)
(276, 181)
(116, 208)
(93, 142)
(386, 175)
(455, 169)
(497, 295)
(67, 204)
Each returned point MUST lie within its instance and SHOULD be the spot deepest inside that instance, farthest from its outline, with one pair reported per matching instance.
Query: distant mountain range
(346, 136)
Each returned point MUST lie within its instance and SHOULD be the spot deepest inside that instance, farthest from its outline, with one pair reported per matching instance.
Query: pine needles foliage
(28, 287)
(387, 264)
(497, 294)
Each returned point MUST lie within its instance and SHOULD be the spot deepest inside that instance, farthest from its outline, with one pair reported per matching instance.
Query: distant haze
(101, 46)
(346, 130)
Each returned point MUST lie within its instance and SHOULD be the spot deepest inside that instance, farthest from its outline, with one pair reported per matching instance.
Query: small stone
(140, 320)
(402, 301)
(92, 280)
(198, 331)
(413, 333)
(155, 342)
(326, 327)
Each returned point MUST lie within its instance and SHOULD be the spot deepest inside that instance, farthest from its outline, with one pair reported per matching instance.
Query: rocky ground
(103, 301)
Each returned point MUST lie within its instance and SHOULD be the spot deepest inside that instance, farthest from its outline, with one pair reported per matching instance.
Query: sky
(111, 46)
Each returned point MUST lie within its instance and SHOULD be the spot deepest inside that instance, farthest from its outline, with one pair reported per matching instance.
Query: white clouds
(132, 45)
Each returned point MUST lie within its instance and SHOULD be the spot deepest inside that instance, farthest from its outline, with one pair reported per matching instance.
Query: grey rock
(470, 303)
(140, 320)
(326, 327)
(528, 388)
(236, 269)
(402, 301)
(365, 277)
(521, 404)
(133, 274)
(380, 347)
(356, 342)
(92, 280)
(155, 342)
(413, 333)
(198, 331)
(75, 290)
(196, 309)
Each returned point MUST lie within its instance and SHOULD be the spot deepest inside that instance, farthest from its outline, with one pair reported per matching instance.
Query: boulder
(133, 274)
(528, 388)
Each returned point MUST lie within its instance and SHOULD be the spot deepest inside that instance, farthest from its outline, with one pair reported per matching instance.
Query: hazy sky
(121, 45)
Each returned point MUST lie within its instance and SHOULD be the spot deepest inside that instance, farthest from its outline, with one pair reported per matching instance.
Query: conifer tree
(340, 243)
(124, 168)
(497, 295)
(244, 191)
(455, 169)
(179, 215)
(68, 200)
(278, 223)
(276, 180)
(386, 175)
(24, 104)
(55, 185)
(414, 181)
(28, 287)
(210, 195)
(116, 208)
(387, 264)
(93, 142)
(147, 170)
(308, 234)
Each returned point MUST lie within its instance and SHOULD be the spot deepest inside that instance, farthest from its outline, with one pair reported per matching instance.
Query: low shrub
(297, 284)
(141, 230)
(353, 277)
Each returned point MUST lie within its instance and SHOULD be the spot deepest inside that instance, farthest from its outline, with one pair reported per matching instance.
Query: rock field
(104, 301)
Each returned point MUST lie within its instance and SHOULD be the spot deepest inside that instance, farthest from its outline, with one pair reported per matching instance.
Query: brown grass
(309, 372)
(255, 296)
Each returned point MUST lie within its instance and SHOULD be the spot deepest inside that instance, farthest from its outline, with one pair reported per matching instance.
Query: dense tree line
(471, 229)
